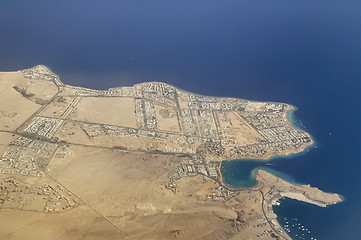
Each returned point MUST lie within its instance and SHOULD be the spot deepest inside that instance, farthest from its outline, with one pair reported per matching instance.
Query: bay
(307, 54)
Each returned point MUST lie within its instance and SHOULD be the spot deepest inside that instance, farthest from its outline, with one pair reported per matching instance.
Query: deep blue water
(306, 53)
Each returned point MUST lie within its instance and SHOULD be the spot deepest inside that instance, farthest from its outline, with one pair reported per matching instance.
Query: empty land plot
(34, 203)
(234, 127)
(6, 138)
(14, 107)
(119, 111)
(167, 118)
(39, 91)
(255, 106)
(58, 107)
(73, 133)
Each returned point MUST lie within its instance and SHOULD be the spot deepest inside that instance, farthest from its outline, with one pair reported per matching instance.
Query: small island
(138, 162)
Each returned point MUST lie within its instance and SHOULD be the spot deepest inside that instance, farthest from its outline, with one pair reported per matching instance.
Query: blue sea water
(306, 53)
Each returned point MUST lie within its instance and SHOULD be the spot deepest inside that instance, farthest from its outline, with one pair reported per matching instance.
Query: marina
(303, 53)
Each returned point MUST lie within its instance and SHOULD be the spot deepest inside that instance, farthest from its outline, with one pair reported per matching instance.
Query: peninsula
(139, 162)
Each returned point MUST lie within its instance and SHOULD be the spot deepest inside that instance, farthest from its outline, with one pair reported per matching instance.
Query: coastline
(270, 157)
(275, 190)
(142, 82)
(287, 117)
(291, 119)
(270, 215)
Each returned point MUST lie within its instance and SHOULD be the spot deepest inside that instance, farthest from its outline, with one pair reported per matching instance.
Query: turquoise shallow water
(294, 216)
(305, 53)
(241, 173)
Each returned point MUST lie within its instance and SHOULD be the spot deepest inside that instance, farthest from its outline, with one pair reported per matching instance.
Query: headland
(138, 162)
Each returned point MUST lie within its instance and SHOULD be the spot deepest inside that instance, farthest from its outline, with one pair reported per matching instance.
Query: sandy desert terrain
(139, 162)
